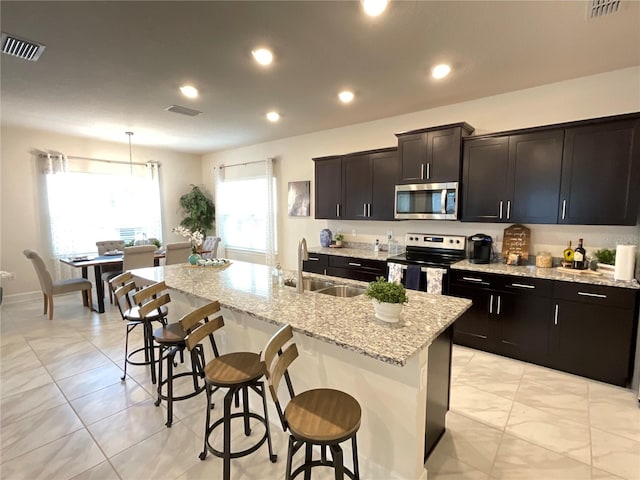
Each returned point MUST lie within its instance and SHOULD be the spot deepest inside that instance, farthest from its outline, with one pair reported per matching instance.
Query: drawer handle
(354, 264)
(498, 310)
(555, 317)
(587, 294)
(508, 209)
(315, 259)
(522, 285)
(491, 304)
(471, 279)
(564, 209)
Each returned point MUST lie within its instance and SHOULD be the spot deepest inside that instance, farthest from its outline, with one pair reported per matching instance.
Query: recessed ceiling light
(441, 71)
(373, 8)
(273, 116)
(345, 96)
(262, 56)
(189, 91)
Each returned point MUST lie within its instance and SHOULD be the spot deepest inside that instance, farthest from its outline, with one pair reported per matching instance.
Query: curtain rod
(242, 164)
(72, 157)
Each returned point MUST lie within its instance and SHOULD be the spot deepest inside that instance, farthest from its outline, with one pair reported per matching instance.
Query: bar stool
(171, 340)
(236, 372)
(322, 417)
(122, 286)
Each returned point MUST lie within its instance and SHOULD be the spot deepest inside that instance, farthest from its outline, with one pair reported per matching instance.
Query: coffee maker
(480, 248)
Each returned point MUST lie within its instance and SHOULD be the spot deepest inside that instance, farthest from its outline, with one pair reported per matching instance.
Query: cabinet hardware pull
(337, 209)
(555, 318)
(508, 209)
(501, 202)
(522, 285)
(428, 171)
(354, 264)
(368, 209)
(422, 171)
(587, 294)
(491, 304)
(498, 310)
(364, 209)
(315, 259)
(471, 279)
(564, 208)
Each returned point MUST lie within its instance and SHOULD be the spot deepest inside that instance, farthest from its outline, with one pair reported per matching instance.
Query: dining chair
(140, 256)
(210, 247)
(109, 271)
(177, 252)
(51, 288)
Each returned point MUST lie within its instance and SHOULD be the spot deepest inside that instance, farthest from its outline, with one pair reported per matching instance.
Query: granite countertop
(346, 322)
(547, 273)
(353, 252)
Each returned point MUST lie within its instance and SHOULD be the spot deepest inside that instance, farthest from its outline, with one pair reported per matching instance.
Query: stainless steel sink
(342, 291)
(310, 284)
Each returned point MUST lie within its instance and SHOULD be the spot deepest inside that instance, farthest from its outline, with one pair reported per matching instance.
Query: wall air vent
(600, 8)
(183, 110)
(21, 48)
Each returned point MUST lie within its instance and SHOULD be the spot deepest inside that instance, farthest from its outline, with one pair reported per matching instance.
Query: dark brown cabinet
(512, 178)
(362, 269)
(317, 263)
(431, 155)
(368, 181)
(593, 331)
(601, 174)
(328, 187)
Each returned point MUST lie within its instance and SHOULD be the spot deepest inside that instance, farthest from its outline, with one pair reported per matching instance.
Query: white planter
(387, 312)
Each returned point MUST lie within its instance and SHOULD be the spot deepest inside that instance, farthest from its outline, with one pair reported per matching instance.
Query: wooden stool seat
(234, 369)
(323, 416)
(133, 315)
(171, 334)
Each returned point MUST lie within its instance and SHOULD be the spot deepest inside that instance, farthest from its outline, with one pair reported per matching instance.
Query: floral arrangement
(196, 238)
(9, 275)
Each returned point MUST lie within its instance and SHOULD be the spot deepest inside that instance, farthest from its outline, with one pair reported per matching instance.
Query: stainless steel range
(428, 251)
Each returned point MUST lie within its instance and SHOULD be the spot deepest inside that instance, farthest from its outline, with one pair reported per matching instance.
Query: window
(88, 207)
(243, 211)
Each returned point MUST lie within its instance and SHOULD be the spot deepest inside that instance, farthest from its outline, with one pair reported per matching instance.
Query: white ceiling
(110, 67)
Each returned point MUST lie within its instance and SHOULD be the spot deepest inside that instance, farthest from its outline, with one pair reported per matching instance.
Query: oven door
(427, 201)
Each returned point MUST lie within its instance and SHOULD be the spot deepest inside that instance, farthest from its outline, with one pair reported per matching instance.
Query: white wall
(588, 97)
(21, 225)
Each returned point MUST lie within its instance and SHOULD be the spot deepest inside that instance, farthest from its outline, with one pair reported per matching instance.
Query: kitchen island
(385, 367)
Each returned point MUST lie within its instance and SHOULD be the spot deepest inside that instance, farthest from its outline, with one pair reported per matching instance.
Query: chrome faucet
(303, 254)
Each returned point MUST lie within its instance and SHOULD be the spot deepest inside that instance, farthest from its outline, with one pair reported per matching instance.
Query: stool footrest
(176, 398)
(240, 453)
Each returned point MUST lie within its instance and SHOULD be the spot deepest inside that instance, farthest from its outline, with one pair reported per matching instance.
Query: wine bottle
(579, 261)
(567, 254)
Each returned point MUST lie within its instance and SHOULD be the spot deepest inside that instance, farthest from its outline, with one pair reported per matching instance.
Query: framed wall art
(298, 198)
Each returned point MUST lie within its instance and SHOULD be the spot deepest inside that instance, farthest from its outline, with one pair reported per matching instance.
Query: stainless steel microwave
(427, 201)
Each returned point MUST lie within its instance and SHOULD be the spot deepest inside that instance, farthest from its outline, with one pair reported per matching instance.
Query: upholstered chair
(140, 256)
(177, 252)
(108, 272)
(210, 247)
(51, 288)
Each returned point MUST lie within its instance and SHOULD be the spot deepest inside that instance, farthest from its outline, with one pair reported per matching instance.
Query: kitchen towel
(412, 280)
(434, 280)
(625, 262)
(395, 272)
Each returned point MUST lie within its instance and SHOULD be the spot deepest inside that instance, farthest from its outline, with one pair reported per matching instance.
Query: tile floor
(65, 414)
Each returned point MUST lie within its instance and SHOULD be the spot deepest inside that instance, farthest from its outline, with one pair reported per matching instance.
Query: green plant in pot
(388, 298)
(199, 211)
(339, 239)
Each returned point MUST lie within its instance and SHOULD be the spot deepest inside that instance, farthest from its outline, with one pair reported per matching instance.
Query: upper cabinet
(431, 155)
(357, 186)
(601, 174)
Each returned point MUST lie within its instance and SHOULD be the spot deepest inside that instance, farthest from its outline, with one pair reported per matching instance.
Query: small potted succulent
(388, 298)
(339, 239)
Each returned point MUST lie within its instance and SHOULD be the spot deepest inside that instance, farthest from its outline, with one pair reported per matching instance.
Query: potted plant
(606, 260)
(388, 298)
(339, 239)
(199, 211)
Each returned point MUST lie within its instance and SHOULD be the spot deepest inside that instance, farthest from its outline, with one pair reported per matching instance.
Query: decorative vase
(325, 237)
(387, 312)
(193, 259)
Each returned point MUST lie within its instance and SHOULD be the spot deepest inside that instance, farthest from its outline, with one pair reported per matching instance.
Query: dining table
(98, 262)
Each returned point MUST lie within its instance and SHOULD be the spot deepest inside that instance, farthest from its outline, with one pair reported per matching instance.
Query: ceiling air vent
(600, 8)
(183, 110)
(21, 48)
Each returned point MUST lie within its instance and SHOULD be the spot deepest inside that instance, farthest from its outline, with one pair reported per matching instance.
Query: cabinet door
(384, 168)
(357, 186)
(472, 328)
(592, 340)
(412, 154)
(317, 263)
(328, 175)
(601, 174)
(535, 165)
(521, 326)
(484, 180)
(443, 155)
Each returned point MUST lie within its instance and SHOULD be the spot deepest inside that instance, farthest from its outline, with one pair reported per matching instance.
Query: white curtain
(218, 177)
(270, 251)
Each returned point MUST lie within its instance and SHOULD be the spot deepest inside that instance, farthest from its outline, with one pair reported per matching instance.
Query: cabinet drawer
(375, 266)
(596, 294)
(527, 285)
(466, 277)
(317, 263)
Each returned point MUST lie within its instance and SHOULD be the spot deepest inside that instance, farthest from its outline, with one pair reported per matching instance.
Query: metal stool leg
(203, 455)
(159, 388)
(226, 470)
(245, 401)
(289, 458)
(308, 458)
(170, 357)
(354, 447)
(273, 457)
(126, 351)
(336, 452)
(148, 332)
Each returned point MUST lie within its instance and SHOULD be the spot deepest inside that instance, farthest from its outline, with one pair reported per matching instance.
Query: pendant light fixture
(130, 157)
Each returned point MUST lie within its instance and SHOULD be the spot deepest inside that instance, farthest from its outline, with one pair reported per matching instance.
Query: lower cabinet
(584, 329)
(317, 263)
(356, 268)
